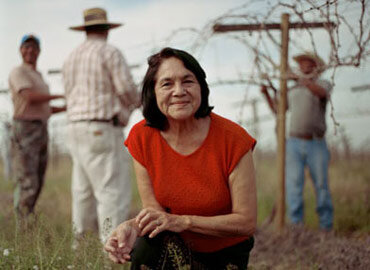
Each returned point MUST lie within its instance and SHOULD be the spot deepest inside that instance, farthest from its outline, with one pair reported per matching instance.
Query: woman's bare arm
(145, 187)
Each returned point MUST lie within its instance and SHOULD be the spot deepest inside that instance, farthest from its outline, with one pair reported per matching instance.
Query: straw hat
(320, 64)
(95, 16)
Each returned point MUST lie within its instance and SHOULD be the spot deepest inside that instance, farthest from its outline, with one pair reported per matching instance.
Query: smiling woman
(177, 90)
(195, 176)
(169, 70)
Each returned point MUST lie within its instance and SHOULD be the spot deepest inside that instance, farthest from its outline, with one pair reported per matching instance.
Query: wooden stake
(280, 211)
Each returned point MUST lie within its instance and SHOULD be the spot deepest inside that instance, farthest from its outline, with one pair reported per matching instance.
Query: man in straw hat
(30, 96)
(100, 95)
(306, 145)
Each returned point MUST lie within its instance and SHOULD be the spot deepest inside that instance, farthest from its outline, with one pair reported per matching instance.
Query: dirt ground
(300, 248)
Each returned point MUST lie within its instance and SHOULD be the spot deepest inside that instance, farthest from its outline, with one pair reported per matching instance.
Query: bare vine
(351, 19)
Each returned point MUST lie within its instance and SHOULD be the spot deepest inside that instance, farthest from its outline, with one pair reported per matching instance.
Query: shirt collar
(29, 66)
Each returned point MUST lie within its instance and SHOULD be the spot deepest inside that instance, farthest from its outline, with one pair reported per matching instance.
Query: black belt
(94, 120)
(114, 121)
(306, 136)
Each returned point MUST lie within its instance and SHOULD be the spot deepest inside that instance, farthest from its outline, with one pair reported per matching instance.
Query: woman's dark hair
(153, 116)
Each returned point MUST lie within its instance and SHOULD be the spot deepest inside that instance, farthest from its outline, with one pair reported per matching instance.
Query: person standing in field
(306, 144)
(100, 96)
(30, 96)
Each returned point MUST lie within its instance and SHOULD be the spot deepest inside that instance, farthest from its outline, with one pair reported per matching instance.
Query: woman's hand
(119, 245)
(152, 221)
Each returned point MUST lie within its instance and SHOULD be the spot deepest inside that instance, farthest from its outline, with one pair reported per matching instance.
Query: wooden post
(280, 211)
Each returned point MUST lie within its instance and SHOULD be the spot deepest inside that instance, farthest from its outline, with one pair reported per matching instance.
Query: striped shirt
(98, 84)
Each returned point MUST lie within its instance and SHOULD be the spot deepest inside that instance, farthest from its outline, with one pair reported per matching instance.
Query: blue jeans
(315, 154)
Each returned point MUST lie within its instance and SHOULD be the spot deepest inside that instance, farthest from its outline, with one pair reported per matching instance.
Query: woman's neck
(186, 136)
(183, 128)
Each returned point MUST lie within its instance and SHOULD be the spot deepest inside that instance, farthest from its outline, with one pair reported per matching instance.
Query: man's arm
(123, 82)
(271, 102)
(314, 87)
(32, 96)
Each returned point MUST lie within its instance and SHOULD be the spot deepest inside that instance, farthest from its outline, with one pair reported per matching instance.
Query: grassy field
(47, 244)
(350, 185)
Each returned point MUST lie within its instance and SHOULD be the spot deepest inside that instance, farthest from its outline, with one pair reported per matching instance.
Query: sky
(152, 24)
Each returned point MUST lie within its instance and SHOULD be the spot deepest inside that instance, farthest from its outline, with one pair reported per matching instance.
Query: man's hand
(292, 76)
(313, 87)
(58, 109)
(264, 89)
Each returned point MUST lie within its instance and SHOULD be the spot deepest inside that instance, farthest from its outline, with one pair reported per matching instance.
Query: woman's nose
(179, 89)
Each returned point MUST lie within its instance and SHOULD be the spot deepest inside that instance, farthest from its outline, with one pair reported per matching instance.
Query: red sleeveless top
(194, 184)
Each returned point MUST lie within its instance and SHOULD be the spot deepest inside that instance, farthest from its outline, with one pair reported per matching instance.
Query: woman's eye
(166, 84)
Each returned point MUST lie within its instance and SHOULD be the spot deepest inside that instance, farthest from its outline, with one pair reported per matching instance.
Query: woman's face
(177, 90)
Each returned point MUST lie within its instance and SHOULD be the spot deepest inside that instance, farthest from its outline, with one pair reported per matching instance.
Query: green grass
(47, 244)
(43, 246)
(350, 186)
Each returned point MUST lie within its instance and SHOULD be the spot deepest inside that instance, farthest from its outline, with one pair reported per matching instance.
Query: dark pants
(30, 142)
(168, 251)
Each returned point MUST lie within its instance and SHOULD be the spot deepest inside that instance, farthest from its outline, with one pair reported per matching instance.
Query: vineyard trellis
(266, 45)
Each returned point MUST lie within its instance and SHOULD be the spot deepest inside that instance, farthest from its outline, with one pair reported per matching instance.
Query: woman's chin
(180, 113)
